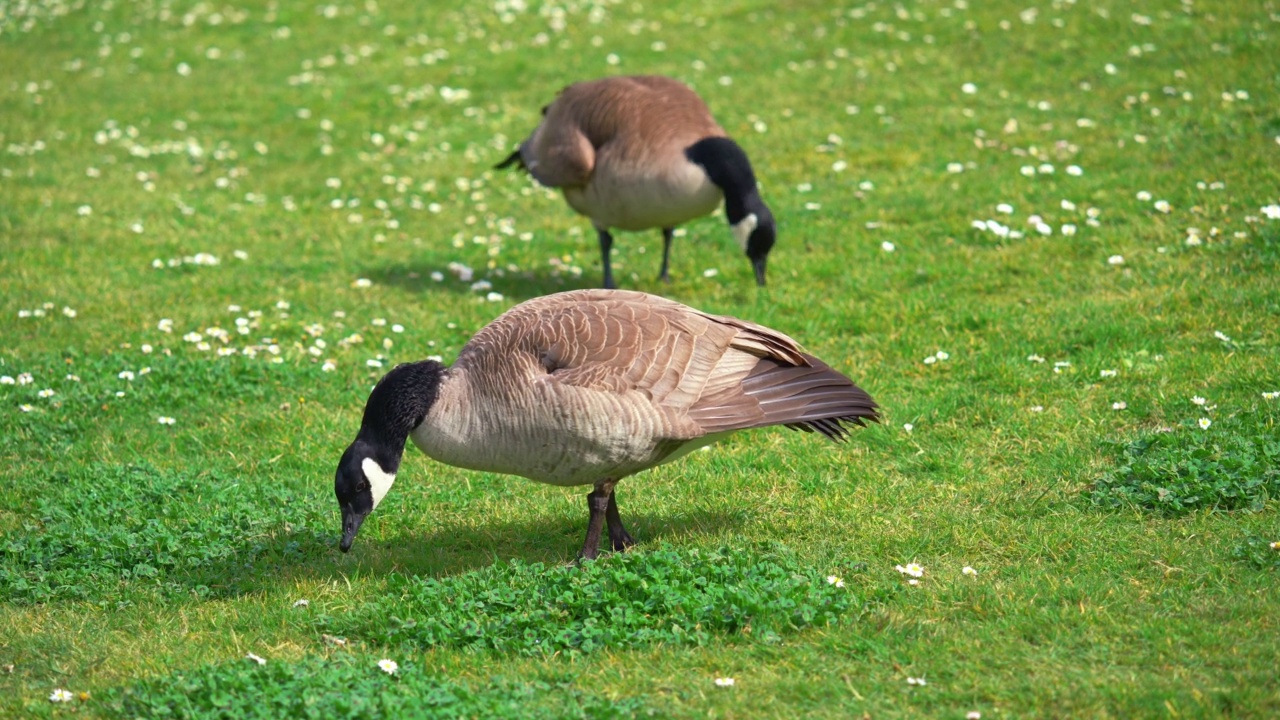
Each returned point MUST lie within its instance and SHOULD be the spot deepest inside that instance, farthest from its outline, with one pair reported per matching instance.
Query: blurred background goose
(642, 152)
(585, 388)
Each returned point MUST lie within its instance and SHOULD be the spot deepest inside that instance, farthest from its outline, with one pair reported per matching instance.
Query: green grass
(1123, 556)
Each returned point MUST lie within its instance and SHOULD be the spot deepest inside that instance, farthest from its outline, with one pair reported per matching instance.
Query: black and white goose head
(753, 226)
(398, 404)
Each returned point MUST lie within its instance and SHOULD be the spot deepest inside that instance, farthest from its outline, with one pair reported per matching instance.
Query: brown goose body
(641, 152)
(590, 386)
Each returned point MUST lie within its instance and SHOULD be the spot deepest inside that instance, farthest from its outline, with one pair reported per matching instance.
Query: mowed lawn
(1043, 235)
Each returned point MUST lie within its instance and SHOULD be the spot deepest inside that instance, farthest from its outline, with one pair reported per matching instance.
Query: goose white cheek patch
(743, 228)
(379, 480)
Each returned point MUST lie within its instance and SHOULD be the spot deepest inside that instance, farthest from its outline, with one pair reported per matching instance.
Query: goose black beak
(351, 522)
(758, 265)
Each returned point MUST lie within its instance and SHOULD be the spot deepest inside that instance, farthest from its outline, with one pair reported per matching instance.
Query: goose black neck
(398, 404)
(728, 167)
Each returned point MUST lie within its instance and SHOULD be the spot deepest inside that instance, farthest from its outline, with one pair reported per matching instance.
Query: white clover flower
(724, 682)
(388, 666)
(59, 695)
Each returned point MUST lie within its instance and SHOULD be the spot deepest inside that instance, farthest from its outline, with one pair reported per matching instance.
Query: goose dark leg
(598, 502)
(665, 275)
(618, 535)
(606, 245)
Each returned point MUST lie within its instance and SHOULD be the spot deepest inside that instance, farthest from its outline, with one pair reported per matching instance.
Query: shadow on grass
(308, 555)
(107, 533)
(416, 278)
(553, 539)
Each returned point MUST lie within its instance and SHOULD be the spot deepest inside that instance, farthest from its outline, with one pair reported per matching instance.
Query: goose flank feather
(588, 387)
(642, 152)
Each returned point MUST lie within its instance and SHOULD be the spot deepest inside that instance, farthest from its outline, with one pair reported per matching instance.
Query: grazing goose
(643, 152)
(585, 388)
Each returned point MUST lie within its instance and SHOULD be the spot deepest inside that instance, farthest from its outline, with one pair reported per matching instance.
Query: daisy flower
(912, 569)
(59, 695)
(724, 682)
(388, 666)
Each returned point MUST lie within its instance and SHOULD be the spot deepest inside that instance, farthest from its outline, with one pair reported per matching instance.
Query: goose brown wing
(690, 373)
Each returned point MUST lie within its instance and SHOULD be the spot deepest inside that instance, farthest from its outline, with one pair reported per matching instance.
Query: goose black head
(397, 405)
(360, 484)
(756, 233)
